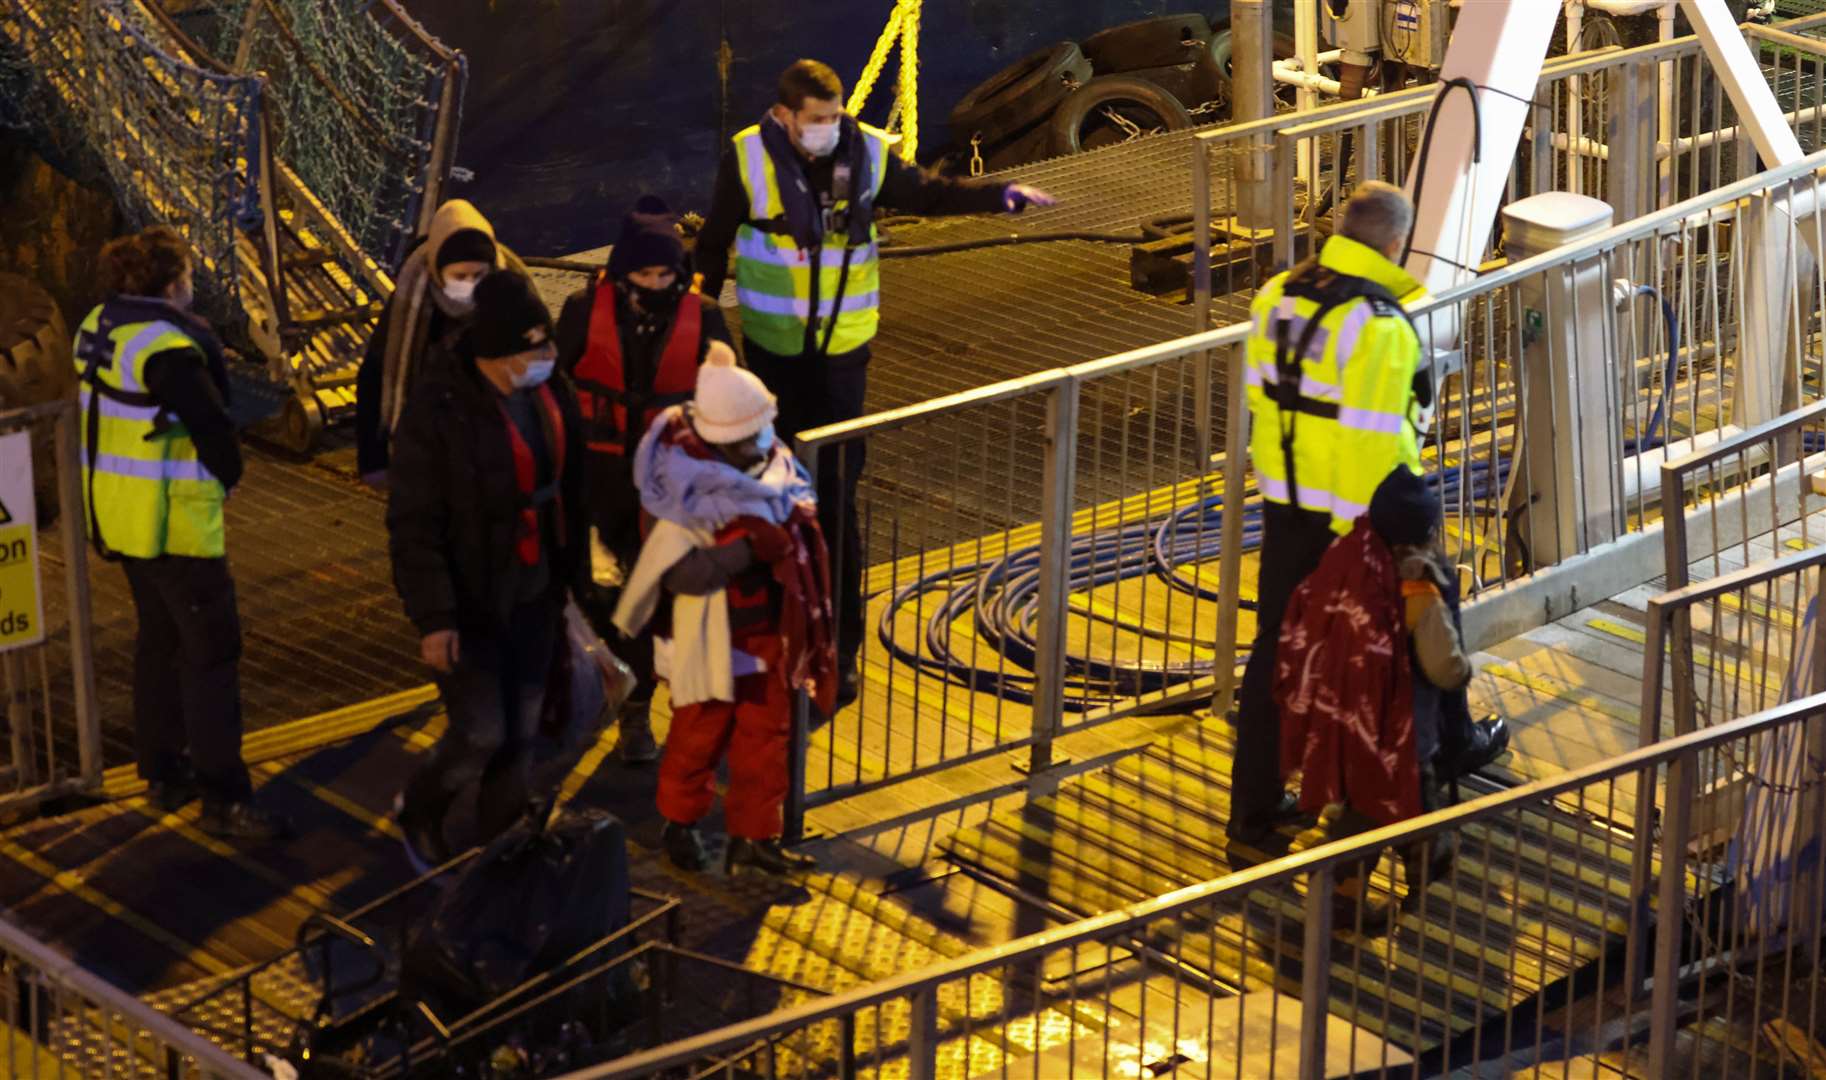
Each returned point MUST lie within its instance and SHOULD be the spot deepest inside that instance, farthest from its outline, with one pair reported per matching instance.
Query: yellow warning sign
(21, 603)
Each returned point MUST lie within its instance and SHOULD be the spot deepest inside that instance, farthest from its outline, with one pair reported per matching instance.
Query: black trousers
(492, 699)
(1293, 542)
(187, 675)
(814, 391)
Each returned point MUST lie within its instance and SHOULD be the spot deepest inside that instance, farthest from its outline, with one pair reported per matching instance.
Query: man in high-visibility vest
(159, 457)
(796, 194)
(1333, 397)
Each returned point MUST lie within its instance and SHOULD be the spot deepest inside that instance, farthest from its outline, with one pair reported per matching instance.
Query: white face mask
(460, 292)
(819, 140)
(535, 374)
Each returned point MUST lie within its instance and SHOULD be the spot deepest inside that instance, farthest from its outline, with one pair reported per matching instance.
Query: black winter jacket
(453, 507)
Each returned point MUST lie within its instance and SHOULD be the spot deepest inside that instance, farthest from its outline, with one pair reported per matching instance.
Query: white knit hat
(731, 403)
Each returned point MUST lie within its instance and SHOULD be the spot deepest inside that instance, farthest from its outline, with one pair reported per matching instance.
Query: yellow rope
(909, 79)
(877, 60)
(903, 25)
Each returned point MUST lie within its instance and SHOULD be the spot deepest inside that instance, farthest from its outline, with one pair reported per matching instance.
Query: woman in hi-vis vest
(159, 458)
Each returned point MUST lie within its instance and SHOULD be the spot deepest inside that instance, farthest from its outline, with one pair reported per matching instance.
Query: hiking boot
(1256, 829)
(767, 856)
(1436, 867)
(241, 821)
(426, 848)
(170, 796)
(1489, 741)
(637, 745)
(684, 845)
(849, 686)
(1352, 908)
(1347, 908)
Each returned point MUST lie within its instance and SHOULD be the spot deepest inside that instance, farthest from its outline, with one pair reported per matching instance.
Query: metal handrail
(1737, 443)
(1701, 591)
(1135, 916)
(212, 1059)
(1234, 334)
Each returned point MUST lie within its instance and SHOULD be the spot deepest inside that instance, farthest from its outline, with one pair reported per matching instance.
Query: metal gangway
(300, 149)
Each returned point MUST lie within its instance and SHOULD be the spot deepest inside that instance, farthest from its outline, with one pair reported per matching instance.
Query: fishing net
(355, 89)
(105, 89)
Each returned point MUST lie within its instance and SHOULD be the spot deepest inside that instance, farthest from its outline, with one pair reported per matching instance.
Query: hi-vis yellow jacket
(1329, 432)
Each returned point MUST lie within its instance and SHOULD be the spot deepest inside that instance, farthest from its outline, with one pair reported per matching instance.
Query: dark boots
(765, 856)
(637, 745)
(684, 845)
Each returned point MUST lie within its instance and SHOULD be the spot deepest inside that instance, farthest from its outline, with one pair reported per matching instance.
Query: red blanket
(800, 563)
(1344, 684)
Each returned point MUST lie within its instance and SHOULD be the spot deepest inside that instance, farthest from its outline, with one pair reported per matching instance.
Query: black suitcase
(531, 900)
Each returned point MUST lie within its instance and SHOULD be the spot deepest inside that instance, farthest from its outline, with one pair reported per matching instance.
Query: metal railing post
(793, 823)
(76, 594)
(1641, 856)
(1201, 295)
(443, 141)
(1230, 555)
(1252, 98)
(1676, 828)
(1280, 178)
(1058, 484)
(846, 1047)
(922, 1035)
(1677, 557)
(1315, 975)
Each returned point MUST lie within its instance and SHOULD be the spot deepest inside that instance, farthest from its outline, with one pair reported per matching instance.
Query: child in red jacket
(736, 550)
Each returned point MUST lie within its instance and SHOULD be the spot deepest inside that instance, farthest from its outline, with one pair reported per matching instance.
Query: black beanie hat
(509, 316)
(649, 237)
(466, 245)
(1404, 509)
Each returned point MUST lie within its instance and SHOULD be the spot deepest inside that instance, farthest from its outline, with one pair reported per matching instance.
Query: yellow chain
(903, 24)
(877, 60)
(909, 79)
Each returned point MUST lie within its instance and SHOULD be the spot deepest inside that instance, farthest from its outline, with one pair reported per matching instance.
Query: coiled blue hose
(1002, 596)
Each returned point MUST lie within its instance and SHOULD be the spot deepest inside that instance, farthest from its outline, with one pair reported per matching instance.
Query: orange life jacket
(601, 376)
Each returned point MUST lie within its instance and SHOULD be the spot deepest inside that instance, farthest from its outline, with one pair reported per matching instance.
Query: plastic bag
(617, 677)
(588, 682)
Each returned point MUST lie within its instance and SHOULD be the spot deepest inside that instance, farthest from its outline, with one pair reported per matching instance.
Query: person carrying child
(1369, 654)
(736, 550)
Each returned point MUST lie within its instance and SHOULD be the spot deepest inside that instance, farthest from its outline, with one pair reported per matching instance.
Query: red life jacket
(526, 473)
(601, 377)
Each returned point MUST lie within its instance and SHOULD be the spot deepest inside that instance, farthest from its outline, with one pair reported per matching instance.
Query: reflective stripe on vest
(774, 275)
(1344, 418)
(148, 492)
(601, 377)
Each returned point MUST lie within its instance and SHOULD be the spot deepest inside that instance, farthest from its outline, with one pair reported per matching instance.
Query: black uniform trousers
(816, 390)
(187, 675)
(493, 697)
(1293, 542)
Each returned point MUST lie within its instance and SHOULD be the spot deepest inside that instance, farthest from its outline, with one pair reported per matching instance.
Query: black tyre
(35, 367)
(1020, 94)
(1220, 51)
(1149, 43)
(1220, 59)
(1112, 110)
(1193, 84)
